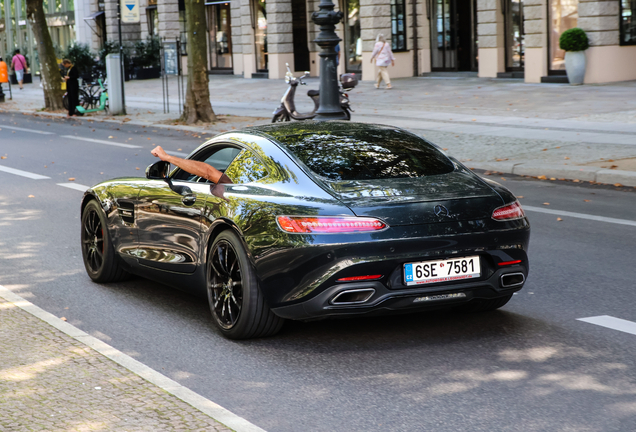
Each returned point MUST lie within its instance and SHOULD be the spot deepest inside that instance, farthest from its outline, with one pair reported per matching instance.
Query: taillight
(508, 212)
(359, 278)
(329, 224)
(507, 263)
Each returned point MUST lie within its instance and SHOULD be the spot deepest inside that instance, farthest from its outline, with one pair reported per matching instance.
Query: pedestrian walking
(72, 86)
(383, 56)
(19, 65)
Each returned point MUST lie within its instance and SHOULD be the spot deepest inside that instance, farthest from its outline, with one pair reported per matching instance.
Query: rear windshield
(367, 155)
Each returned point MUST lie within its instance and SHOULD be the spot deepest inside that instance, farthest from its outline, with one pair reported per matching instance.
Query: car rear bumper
(382, 300)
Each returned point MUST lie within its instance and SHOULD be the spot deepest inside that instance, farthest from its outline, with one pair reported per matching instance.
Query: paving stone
(49, 383)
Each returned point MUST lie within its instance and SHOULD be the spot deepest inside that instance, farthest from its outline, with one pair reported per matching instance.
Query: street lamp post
(327, 39)
(122, 66)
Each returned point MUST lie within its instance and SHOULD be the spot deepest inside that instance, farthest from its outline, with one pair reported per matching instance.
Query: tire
(85, 100)
(347, 112)
(236, 302)
(485, 305)
(100, 260)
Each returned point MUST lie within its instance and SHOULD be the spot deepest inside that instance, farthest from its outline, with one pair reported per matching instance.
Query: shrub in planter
(574, 39)
(147, 59)
(81, 56)
(574, 42)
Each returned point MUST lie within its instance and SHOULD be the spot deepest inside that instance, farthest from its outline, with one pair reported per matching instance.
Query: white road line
(580, 215)
(23, 173)
(175, 153)
(612, 323)
(76, 186)
(26, 130)
(116, 144)
(204, 405)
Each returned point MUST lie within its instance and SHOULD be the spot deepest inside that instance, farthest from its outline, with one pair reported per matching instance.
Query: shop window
(628, 23)
(398, 25)
(153, 21)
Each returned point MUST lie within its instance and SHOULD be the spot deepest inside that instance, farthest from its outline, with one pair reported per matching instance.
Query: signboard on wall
(129, 11)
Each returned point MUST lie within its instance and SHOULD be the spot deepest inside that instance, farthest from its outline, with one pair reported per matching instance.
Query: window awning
(93, 15)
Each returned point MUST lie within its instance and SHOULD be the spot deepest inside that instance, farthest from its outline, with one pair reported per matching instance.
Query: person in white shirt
(383, 58)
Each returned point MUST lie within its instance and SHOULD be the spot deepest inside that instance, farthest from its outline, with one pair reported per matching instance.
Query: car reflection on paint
(319, 220)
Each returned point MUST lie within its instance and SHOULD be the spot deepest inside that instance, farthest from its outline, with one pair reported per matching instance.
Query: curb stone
(584, 173)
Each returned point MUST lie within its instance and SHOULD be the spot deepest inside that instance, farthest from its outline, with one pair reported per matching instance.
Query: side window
(222, 158)
(246, 168)
(219, 158)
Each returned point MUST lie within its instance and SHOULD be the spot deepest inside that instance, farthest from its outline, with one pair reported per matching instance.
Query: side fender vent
(126, 210)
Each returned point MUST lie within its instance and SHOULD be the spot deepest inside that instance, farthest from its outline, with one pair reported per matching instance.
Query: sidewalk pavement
(585, 133)
(55, 377)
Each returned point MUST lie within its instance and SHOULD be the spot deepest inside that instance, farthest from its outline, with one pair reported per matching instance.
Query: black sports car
(312, 220)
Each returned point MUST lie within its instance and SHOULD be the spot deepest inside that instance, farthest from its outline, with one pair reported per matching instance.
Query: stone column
(312, 34)
(237, 36)
(375, 17)
(130, 33)
(536, 39)
(607, 61)
(423, 38)
(83, 32)
(490, 30)
(249, 60)
(280, 41)
(168, 15)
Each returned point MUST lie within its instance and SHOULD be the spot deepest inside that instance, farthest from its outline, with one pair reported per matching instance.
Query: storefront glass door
(352, 53)
(453, 36)
(219, 36)
(514, 35)
(564, 15)
(260, 34)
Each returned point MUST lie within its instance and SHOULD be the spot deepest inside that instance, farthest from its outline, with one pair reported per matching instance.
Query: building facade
(257, 38)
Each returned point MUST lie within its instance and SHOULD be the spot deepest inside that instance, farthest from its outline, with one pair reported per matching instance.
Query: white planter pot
(575, 66)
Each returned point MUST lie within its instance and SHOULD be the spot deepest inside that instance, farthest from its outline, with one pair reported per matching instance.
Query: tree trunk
(197, 105)
(51, 79)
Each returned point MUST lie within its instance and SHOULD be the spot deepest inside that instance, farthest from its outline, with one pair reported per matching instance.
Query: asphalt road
(532, 366)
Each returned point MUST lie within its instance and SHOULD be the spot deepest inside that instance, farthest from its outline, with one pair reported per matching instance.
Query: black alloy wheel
(237, 305)
(93, 241)
(100, 261)
(226, 286)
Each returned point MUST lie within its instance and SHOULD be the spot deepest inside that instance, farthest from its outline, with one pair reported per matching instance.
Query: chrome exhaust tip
(352, 297)
(511, 280)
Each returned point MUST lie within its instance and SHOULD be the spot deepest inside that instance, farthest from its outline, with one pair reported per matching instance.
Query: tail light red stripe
(359, 278)
(329, 224)
(507, 263)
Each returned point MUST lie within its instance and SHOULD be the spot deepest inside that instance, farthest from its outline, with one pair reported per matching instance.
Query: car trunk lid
(456, 196)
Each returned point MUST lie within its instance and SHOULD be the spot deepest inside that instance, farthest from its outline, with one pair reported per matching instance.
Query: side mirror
(158, 170)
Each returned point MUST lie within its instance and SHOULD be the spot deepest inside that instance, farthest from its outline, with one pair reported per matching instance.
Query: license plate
(447, 270)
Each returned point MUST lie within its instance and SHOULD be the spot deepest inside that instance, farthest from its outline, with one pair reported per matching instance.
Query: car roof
(280, 131)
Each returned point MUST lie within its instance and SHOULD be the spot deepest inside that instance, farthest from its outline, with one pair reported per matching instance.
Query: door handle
(189, 199)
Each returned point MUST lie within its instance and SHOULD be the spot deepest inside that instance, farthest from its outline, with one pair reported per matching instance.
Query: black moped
(287, 109)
